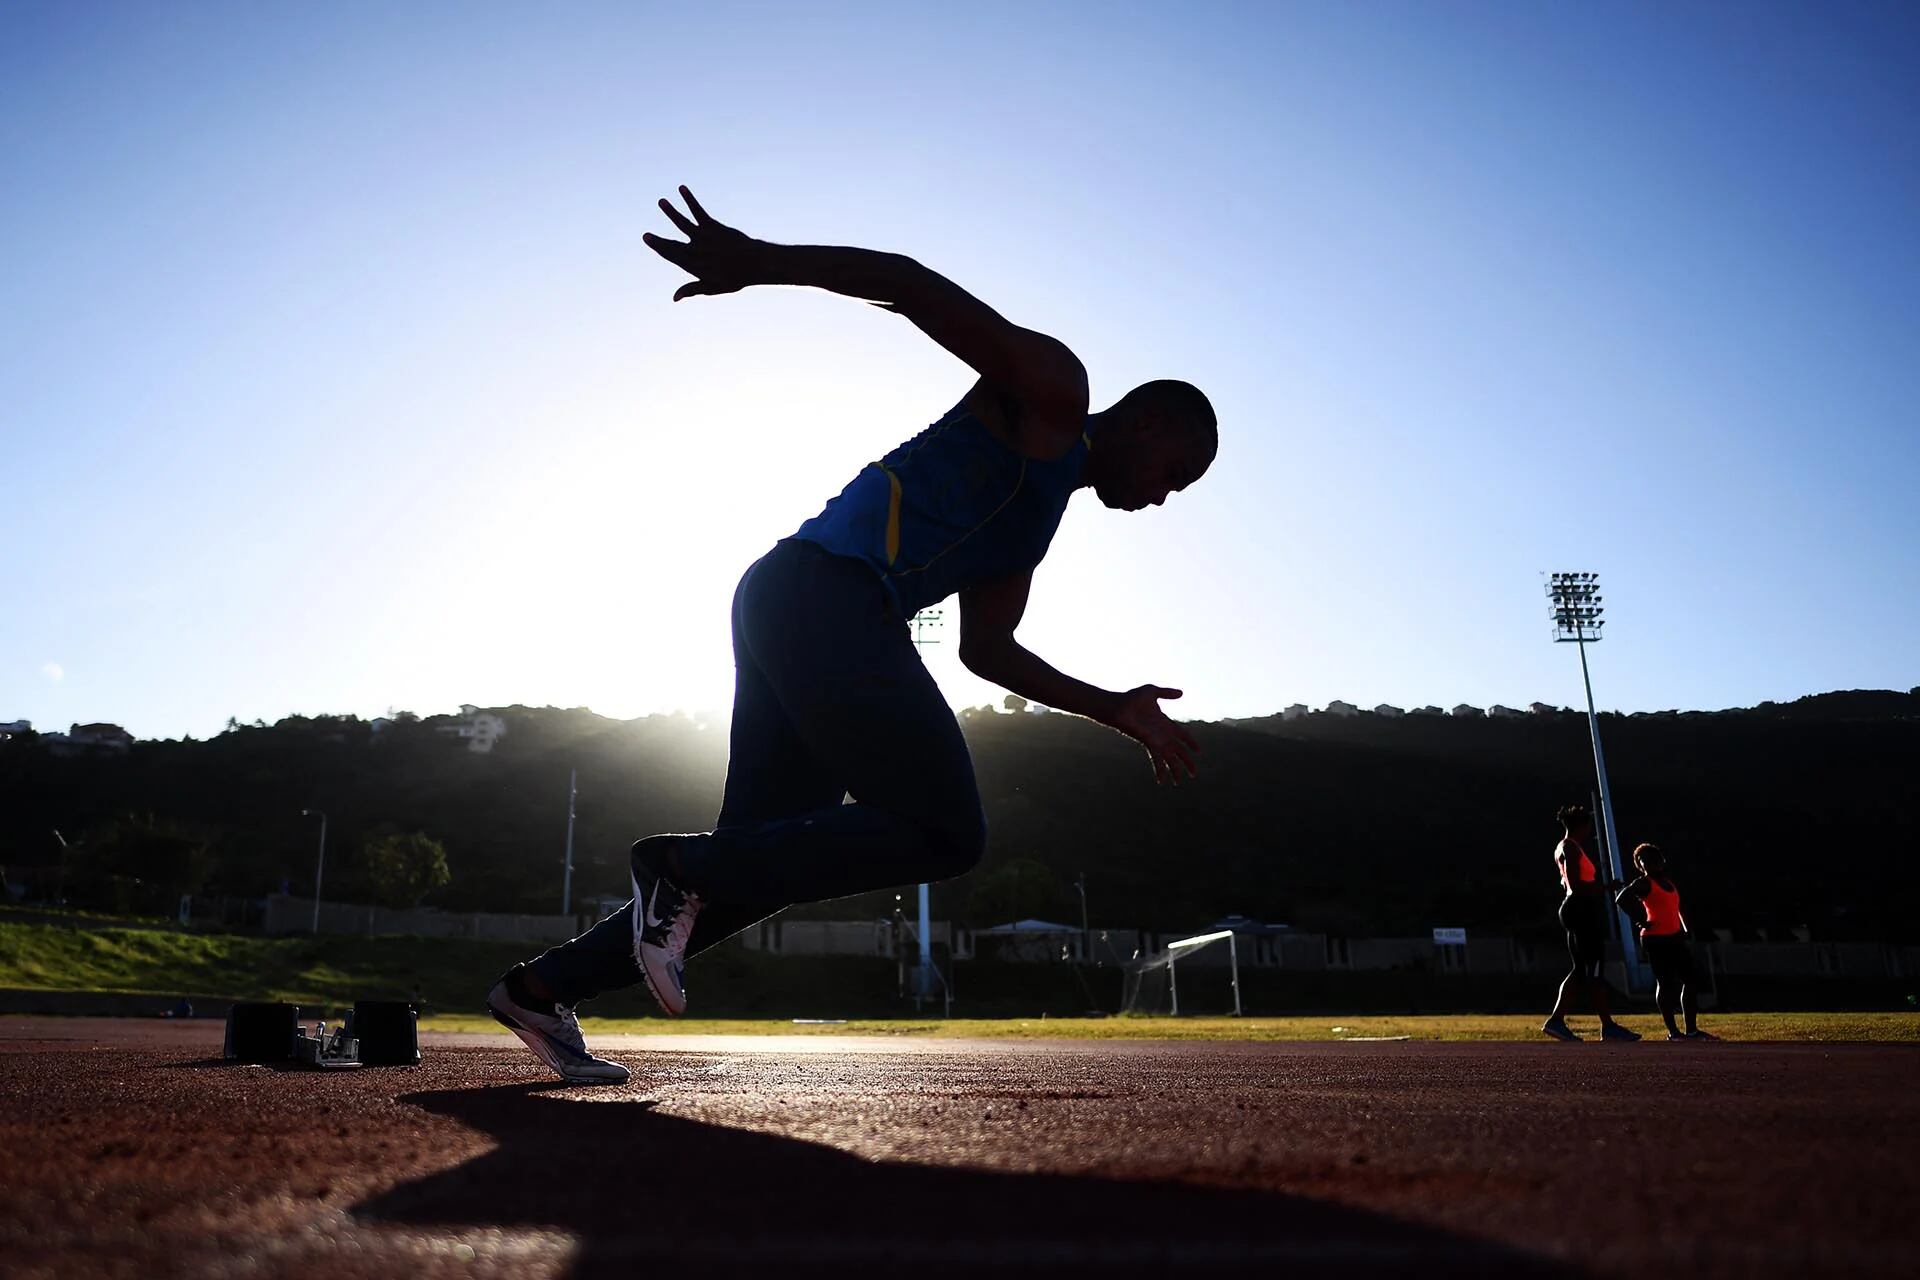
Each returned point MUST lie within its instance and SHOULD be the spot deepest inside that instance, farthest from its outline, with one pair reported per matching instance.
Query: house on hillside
(1426, 711)
(12, 727)
(1466, 711)
(1298, 711)
(1498, 712)
(1339, 708)
(1542, 709)
(1389, 712)
(478, 729)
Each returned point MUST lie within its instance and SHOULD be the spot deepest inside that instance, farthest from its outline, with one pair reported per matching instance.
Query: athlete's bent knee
(958, 842)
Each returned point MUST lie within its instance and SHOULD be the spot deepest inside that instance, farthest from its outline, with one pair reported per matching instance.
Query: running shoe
(1701, 1035)
(551, 1031)
(663, 916)
(1614, 1031)
(1675, 1035)
(1558, 1029)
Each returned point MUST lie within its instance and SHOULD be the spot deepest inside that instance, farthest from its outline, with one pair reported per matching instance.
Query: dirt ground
(131, 1149)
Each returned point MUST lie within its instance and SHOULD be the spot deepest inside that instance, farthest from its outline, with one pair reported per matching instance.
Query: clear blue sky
(334, 375)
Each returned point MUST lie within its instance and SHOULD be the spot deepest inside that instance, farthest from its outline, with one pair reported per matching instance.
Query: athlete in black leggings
(1583, 914)
(846, 770)
(1654, 901)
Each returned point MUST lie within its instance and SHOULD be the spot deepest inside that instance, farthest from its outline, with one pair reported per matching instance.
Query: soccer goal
(1193, 971)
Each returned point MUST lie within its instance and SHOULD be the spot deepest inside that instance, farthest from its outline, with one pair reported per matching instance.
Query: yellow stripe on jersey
(893, 514)
(894, 521)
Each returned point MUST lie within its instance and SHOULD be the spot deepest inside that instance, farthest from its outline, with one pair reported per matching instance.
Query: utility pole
(566, 875)
(320, 867)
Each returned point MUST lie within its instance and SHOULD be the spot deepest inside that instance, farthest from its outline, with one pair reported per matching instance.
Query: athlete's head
(1157, 439)
(1649, 859)
(1576, 819)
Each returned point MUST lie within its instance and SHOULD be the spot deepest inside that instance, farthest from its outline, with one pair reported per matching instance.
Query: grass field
(334, 971)
(1775, 1027)
(302, 970)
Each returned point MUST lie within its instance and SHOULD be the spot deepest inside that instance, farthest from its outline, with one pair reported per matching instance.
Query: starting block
(326, 1051)
(377, 1033)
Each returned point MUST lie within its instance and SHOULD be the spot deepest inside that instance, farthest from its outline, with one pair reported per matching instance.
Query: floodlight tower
(1577, 606)
(925, 626)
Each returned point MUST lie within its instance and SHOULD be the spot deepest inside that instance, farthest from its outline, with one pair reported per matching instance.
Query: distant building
(1388, 711)
(478, 729)
(1339, 708)
(1297, 711)
(1542, 709)
(12, 727)
(1426, 711)
(1466, 711)
(1498, 712)
(80, 739)
(107, 737)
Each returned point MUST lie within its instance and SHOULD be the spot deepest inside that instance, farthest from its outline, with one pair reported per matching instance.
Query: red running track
(130, 1149)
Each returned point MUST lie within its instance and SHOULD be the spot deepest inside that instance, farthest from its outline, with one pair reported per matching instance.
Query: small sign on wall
(1449, 937)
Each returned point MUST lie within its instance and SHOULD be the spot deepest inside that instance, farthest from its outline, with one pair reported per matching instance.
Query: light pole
(1577, 606)
(924, 985)
(926, 631)
(566, 875)
(1086, 934)
(320, 867)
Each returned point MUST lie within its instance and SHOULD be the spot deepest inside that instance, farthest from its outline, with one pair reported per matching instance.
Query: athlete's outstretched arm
(1037, 370)
(988, 616)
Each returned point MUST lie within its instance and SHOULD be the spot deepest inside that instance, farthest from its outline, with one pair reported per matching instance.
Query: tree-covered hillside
(1775, 817)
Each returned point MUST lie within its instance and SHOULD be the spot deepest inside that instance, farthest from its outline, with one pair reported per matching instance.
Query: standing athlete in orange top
(1654, 900)
(1583, 914)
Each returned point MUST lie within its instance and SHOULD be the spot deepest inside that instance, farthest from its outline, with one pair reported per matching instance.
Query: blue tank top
(949, 509)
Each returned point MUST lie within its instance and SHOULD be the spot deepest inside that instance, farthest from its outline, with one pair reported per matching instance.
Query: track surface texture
(131, 1149)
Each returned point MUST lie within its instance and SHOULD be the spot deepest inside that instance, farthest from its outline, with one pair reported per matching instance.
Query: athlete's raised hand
(720, 259)
(1169, 746)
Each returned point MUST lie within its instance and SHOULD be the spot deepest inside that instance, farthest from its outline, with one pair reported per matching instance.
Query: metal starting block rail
(376, 1033)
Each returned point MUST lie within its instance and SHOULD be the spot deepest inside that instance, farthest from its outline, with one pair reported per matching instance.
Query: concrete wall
(1815, 959)
(286, 914)
(1302, 952)
(1314, 953)
(847, 938)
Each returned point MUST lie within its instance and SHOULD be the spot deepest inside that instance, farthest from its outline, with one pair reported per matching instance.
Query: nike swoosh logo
(653, 921)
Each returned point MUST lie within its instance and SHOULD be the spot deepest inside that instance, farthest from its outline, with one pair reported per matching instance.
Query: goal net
(1197, 975)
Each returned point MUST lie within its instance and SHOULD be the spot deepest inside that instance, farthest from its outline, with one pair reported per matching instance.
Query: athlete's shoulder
(1040, 430)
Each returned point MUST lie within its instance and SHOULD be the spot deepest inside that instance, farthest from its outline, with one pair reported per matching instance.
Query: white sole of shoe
(678, 1004)
(543, 1051)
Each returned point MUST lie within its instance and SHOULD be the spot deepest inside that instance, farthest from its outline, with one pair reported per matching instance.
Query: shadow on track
(639, 1189)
